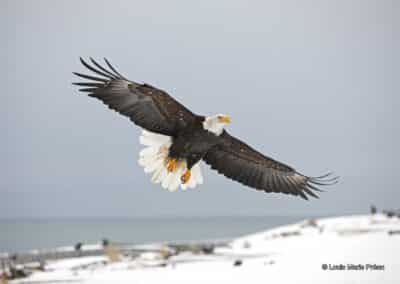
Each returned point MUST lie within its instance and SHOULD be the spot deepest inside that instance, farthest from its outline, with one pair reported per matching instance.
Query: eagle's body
(187, 147)
(193, 142)
(177, 140)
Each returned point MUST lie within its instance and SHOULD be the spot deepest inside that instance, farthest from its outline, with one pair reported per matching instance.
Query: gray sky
(310, 83)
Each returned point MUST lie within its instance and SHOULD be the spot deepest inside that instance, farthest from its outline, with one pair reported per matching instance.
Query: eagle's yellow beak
(224, 119)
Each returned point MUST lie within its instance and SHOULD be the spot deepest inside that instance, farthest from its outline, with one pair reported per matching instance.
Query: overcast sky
(314, 84)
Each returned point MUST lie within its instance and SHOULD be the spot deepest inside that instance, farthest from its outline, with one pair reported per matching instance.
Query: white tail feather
(153, 158)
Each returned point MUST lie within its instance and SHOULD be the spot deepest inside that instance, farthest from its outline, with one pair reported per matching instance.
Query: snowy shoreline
(349, 249)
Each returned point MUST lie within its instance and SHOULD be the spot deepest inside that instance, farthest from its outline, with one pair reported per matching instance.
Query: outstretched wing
(147, 106)
(238, 161)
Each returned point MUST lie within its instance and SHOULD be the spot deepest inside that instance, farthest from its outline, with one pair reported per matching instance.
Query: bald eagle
(176, 139)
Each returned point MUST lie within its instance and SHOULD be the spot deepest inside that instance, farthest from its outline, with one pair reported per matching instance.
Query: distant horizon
(166, 216)
(51, 233)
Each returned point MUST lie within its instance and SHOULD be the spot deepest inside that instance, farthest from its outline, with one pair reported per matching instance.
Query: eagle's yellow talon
(186, 176)
(171, 165)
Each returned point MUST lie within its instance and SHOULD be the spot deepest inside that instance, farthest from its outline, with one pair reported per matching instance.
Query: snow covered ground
(353, 249)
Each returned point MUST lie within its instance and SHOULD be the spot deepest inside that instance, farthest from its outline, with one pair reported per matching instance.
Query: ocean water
(17, 235)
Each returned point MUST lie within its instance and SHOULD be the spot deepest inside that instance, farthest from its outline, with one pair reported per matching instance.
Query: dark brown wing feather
(238, 161)
(147, 106)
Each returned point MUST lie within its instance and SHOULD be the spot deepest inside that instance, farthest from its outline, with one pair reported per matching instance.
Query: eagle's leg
(171, 164)
(190, 162)
(186, 176)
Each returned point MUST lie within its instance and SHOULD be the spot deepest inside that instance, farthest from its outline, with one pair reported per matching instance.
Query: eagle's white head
(216, 123)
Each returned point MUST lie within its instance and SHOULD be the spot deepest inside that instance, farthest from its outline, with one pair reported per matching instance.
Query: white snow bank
(290, 254)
